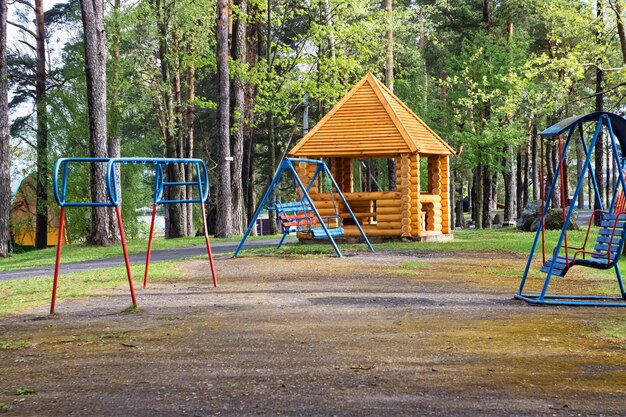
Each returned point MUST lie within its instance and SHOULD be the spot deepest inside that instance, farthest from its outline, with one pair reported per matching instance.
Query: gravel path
(384, 334)
(140, 258)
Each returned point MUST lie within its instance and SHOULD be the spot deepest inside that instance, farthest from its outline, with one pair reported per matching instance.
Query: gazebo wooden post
(405, 195)
(416, 207)
(445, 194)
(434, 213)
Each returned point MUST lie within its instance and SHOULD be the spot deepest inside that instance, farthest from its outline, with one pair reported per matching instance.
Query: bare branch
(615, 87)
(28, 44)
(591, 64)
(24, 2)
(24, 28)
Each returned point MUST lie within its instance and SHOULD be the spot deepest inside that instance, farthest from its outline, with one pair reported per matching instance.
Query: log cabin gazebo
(370, 122)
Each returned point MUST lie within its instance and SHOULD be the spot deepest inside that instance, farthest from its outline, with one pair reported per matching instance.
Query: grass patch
(31, 292)
(4, 406)
(79, 252)
(413, 265)
(25, 391)
(12, 345)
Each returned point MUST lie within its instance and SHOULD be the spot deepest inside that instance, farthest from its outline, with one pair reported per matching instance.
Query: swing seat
(319, 233)
(608, 247)
(295, 216)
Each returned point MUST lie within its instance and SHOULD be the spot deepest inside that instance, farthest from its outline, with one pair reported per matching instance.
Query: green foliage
(12, 345)
(25, 391)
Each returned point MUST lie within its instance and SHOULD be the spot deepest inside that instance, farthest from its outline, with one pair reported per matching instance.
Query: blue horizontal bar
(178, 201)
(566, 300)
(87, 204)
(168, 183)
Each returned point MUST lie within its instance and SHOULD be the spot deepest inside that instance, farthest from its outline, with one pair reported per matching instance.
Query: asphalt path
(139, 258)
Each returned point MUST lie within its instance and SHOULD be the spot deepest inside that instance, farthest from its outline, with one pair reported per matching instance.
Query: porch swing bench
(299, 217)
(607, 249)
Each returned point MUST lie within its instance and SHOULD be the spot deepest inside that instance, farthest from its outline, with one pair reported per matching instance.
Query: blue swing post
(611, 238)
(306, 201)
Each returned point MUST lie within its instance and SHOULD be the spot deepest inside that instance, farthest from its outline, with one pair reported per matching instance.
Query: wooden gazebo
(371, 122)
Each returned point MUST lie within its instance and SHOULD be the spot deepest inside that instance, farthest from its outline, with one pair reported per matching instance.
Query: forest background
(216, 79)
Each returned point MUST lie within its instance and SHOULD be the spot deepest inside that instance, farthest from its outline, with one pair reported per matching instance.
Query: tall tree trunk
(579, 171)
(519, 174)
(169, 123)
(459, 219)
(269, 120)
(114, 142)
(5, 155)
(534, 163)
(240, 56)
(224, 221)
(599, 149)
(41, 230)
(190, 117)
(95, 69)
(509, 189)
(487, 197)
(178, 136)
(391, 162)
(616, 5)
(254, 49)
(479, 196)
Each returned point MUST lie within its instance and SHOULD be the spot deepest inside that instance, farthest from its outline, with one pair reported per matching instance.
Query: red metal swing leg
(145, 275)
(58, 260)
(208, 245)
(125, 249)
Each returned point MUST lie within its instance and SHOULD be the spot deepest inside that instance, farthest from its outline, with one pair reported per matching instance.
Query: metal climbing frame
(113, 199)
(287, 165)
(200, 185)
(612, 233)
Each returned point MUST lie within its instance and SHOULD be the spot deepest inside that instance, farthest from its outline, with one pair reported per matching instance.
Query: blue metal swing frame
(60, 180)
(570, 126)
(287, 165)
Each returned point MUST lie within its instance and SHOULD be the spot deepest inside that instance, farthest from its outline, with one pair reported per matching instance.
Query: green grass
(31, 292)
(495, 240)
(25, 391)
(12, 345)
(79, 252)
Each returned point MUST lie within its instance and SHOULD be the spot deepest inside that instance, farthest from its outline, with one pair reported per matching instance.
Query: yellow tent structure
(23, 213)
(371, 122)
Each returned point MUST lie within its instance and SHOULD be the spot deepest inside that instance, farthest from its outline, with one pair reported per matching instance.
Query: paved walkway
(139, 258)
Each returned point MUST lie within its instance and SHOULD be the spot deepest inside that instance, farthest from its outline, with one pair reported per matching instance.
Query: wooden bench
(301, 216)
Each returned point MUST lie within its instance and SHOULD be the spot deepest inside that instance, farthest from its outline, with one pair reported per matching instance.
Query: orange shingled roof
(370, 121)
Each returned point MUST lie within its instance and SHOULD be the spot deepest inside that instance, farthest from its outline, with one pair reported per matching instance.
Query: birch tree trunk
(224, 220)
(5, 157)
(95, 68)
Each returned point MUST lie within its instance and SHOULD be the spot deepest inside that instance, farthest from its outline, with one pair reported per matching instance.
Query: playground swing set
(302, 216)
(609, 242)
(113, 199)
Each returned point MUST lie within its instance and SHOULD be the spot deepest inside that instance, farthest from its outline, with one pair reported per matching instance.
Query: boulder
(498, 219)
(531, 216)
(531, 212)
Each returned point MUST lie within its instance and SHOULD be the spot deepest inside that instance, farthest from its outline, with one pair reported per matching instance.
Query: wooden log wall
(445, 193)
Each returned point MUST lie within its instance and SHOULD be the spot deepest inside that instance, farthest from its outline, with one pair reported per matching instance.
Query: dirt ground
(368, 335)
